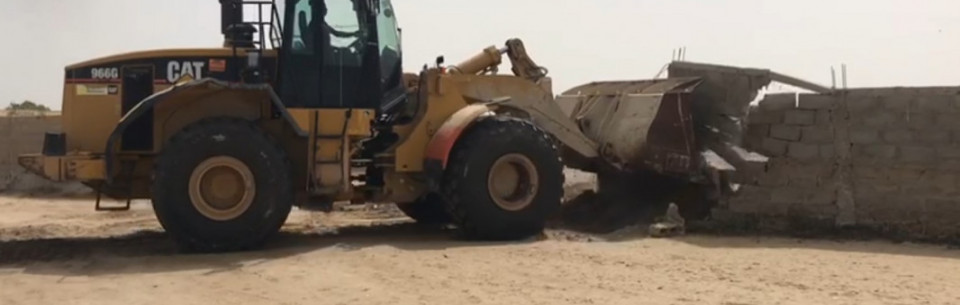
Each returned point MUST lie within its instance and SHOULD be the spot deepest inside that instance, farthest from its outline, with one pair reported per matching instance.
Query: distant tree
(27, 105)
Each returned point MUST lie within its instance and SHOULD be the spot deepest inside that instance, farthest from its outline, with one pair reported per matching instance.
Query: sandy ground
(57, 251)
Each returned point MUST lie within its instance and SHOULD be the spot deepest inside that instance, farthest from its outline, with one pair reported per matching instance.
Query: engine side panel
(93, 90)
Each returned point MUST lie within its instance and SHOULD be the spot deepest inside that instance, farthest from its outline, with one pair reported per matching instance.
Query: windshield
(389, 35)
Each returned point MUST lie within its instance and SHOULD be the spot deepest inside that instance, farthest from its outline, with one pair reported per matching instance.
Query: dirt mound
(19, 182)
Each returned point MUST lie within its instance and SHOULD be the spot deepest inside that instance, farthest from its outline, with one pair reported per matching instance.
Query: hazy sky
(883, 42)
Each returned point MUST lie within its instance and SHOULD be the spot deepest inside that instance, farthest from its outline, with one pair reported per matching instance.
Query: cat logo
(184, 71)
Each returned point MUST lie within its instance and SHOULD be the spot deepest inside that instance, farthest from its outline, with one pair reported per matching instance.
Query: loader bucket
(644, 124)
(660, 141)
(688, 125)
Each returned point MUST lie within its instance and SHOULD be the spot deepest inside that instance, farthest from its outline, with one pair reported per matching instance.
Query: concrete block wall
(883, 157)
(21, 134)
(799, 139)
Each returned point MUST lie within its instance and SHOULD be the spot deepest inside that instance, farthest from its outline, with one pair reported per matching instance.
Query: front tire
(222, 185)
(504, 179)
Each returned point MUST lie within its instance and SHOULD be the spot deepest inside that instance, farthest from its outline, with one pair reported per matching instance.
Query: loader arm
(487, 61)
(523, 65)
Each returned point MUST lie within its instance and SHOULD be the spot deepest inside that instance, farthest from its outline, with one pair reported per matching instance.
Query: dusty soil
(59, 251)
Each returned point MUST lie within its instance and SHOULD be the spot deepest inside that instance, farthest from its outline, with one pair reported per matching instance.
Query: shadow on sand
(153, 251)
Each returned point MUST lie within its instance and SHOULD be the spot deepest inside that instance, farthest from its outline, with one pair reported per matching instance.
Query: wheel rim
(513, 182)
(222, 188)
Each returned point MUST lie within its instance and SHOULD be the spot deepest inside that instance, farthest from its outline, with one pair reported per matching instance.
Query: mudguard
(440, 145)
(152, 101)
(438, 149)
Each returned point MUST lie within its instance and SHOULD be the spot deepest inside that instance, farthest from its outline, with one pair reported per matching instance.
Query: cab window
(389, 41)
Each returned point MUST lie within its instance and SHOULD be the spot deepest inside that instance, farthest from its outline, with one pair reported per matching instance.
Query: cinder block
(895, 102)
(879, 119)
(917, 187)
(816, 101)
(20, 145)
(756, 201)
(788, 195)
(803, 151)
(814, 211)
(874, 187)
(741, 206)
(921, 121)
(795, 168)
(867, 172)
(816, 134)
(943, 209)
(785, 132)
(757, 115)
(827, 151)
(948, 152)
(800, 117)
(949, 164)
(948, 121)
(772, 179)
(753, 143)
(751, 193)
(934, 182)
(933, 227)
(803, 182)
(823, 117)
(899, 91)
(890, 211)
(903, 174)
(934, 137)
(862, 103)
(912, 153)
(758, 130)
(822, 196)
(778, 102)
(774, 147)
(898, 136)
(880, 151)
(860, 135)
(864, 193)
(933, 104)
(954, 99)
(946, 181)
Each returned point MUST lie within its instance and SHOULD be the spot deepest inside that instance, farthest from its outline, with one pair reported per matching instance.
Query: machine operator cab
(339, 54)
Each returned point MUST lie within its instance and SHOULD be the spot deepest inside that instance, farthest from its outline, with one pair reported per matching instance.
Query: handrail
(269, 28)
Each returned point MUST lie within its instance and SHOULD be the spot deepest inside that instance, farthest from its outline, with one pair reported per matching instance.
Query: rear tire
(222, 185)
(429, 210)
(527, 165)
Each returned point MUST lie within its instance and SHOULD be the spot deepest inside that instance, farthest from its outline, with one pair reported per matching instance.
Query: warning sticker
(92, 90)
(97, 89)
(218, 65)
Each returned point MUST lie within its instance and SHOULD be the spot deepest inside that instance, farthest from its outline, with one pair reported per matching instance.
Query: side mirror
(439, 61)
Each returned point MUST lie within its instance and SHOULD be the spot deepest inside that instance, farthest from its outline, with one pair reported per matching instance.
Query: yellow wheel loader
(307, 105)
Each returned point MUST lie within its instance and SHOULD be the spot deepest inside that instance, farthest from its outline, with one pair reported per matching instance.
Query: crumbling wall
(878, 157)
